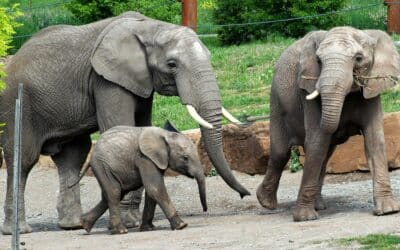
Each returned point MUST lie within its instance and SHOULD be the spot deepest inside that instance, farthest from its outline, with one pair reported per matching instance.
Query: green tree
(92, 10)
(7, 26)
(253, 11)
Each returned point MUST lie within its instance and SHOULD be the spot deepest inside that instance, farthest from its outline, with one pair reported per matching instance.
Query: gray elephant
(80, 79)
(327, 88)
(127, 158)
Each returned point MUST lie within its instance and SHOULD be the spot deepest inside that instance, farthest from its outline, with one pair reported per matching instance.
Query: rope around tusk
(193, 113)
(230, 117)
(313, 95)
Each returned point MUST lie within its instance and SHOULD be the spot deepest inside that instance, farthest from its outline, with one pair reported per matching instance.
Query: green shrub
(7, 25)
(250, 11)
(93, 10)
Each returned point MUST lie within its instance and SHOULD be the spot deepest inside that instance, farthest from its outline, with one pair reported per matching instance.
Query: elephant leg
(319, 201)
(88, 219)
(153, 182)
(148, 213)
(375, 150)
(123, 109)
(279, 156)
(8, 205)
(69, 162)
(316, 148)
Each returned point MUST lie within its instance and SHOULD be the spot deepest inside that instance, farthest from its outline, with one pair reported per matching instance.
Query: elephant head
(176, 151)
(144, 55)
(345, 60)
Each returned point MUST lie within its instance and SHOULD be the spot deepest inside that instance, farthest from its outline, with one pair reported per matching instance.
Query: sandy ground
(230, 223)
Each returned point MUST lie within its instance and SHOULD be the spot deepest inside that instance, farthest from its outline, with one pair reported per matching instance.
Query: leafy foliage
(253, 11)
(7, 25)
(93, 10)
(295, 164)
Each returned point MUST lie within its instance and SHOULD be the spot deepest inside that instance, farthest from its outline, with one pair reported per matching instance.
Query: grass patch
(372, 241)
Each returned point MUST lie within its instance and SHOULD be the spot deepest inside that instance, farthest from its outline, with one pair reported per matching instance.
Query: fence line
(290, 19)
(261, 22)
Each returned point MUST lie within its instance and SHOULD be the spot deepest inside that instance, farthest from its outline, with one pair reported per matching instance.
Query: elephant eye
(359, 58)
(185, 158)
(171, 63)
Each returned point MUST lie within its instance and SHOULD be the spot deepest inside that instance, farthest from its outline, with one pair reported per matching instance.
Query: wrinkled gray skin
(128, 158)
(342, 109)
(79, 79)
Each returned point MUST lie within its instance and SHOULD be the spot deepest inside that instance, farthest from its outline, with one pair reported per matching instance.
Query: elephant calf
(127, 158)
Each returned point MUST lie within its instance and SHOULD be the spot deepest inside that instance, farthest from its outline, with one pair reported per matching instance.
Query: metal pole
(17, 167)
(189, 13)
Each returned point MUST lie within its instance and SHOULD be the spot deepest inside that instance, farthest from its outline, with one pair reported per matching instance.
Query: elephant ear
(119, 56)
(386, 63)
(308, 62)
(153, 144)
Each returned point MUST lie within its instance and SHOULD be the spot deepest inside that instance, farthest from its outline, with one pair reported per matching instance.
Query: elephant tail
(81, 174)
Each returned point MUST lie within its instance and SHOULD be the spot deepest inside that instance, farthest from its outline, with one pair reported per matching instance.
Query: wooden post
(393, 16)
(189, 13)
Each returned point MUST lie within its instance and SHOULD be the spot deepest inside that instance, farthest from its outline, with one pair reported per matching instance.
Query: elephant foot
(130, 217)
(304, 213)
(266, 198)
(70, 223)
(24, 228)
(320, 203)
(119, 229)
(386, 205)
(87, 223)
(177, 223)
(146, 227)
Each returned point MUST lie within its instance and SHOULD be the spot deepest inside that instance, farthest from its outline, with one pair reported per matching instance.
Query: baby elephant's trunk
(201, 182)
(81, 174)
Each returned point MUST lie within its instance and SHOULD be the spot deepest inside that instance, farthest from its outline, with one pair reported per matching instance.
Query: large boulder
(247, 149)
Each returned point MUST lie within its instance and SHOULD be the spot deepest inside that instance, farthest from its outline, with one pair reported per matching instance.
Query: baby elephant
(127, 158)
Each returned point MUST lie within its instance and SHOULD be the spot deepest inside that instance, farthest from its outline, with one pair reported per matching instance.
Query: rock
(350, 156)
(247, 149)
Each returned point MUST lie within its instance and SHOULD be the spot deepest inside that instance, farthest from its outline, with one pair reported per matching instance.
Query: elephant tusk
(192, 111)
(230, 117)
(313, 95)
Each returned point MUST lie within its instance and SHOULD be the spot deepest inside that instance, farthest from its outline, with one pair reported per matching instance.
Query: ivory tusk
(192, 111)
(230, 117)
(313, 95)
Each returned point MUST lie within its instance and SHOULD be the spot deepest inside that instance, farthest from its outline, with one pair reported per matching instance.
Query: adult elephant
(80, 79)
(326, 88)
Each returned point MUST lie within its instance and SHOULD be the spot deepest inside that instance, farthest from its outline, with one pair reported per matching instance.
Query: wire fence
(360, 14)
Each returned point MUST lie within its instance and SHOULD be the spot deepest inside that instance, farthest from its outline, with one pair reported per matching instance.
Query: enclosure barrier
(17, 167)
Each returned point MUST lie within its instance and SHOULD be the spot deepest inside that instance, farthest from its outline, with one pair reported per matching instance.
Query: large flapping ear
(385, 64)
(309, 66)
(153, 145)
(120, 57)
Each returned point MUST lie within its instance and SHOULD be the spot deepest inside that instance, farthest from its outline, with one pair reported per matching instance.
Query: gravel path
(230, 222)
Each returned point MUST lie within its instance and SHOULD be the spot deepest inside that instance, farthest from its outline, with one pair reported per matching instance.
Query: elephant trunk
(205, 97)
(335, 84)
(201, 183)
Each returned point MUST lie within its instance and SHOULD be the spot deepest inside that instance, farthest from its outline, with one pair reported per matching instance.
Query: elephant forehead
(342, 45)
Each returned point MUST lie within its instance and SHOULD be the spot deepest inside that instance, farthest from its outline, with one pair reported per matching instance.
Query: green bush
(250, 11)
(93, 10)
(7, 25)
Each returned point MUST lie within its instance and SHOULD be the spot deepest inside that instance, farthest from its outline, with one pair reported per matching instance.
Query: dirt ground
(230, 223)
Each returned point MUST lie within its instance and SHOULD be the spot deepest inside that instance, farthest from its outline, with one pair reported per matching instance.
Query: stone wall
(247, 149)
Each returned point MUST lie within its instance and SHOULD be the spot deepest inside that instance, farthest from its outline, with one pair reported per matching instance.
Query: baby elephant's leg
(154, 186)
(88, 219)
(148, 213)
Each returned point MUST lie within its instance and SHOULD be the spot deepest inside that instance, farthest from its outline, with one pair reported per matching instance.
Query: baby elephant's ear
(153, 145)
